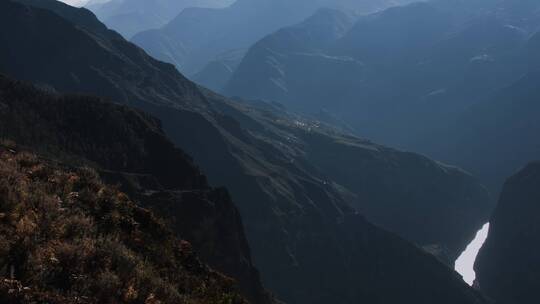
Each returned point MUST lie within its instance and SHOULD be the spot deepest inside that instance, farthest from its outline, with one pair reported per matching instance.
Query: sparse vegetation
(65, 237)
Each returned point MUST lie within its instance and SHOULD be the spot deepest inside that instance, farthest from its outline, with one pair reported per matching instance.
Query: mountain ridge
(191, 44)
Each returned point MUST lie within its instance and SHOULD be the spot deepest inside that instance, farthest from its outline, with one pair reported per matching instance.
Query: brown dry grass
(65, 237)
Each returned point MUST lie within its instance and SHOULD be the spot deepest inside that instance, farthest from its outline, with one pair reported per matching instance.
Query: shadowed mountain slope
(498, 133)
(508, 266)
(128, 148)
(301, 222)
(402, 192)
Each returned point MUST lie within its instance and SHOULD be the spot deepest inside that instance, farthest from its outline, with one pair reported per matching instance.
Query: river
(465, 262)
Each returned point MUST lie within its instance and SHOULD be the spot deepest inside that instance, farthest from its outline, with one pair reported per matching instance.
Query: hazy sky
(465, 263)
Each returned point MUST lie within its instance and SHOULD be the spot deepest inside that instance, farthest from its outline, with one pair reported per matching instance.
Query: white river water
(465, 262)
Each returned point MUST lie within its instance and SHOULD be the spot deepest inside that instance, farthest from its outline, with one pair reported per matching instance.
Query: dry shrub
(72, 239)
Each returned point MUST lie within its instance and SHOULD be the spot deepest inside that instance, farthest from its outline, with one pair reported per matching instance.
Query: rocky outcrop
(508, 265)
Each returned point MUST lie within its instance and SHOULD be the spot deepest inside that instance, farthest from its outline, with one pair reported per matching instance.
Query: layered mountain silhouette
(302, 215)
(404, 76)
(130, 17)
(199, 36)
(507, 267)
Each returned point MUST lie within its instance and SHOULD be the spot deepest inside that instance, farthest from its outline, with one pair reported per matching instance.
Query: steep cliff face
(128, 148)
(302, 224)
(68, 238)
(405, 192)
(508, 266)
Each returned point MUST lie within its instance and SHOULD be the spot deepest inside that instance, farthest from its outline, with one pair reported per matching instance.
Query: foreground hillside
(302, 220)
(68, 238)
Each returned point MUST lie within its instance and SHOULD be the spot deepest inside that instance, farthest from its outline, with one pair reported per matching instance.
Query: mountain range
(439, 62)
(508, 265)
(199, 36)
(307, 223)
